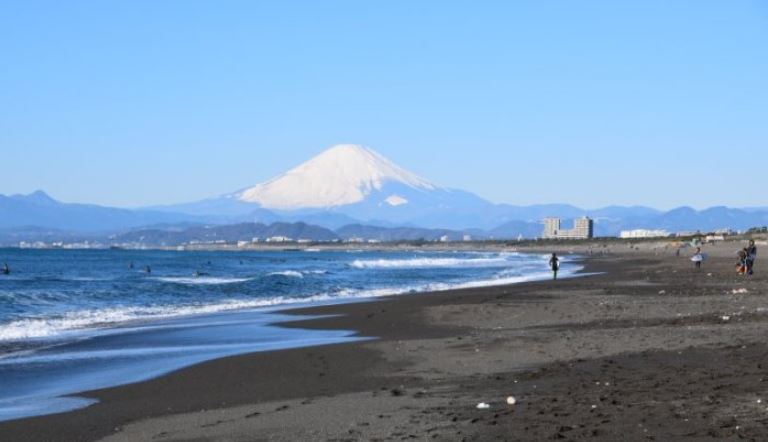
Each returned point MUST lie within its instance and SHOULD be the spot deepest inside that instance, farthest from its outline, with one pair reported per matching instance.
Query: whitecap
(287, 273)
(200, 280)
(429, 262)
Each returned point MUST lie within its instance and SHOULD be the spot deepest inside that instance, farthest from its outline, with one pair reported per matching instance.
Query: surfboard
(699, 257)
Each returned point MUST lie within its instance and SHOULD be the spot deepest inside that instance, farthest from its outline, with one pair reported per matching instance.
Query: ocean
(78, 320)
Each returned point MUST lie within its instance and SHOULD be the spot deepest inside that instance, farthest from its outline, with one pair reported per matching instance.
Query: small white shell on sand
(726, 318)
(511, 400)
(483, 406)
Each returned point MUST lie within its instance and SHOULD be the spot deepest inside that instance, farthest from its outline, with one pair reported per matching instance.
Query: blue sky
(660, 103)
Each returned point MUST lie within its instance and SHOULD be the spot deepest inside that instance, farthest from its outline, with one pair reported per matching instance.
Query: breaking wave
(201, 280)
(429, 263)
(287, 274)
(83, 320)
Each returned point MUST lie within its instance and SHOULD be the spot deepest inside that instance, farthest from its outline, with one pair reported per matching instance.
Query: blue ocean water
(76, 320)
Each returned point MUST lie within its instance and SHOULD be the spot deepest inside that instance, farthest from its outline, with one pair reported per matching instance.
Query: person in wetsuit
(554, 264)
(751, 256)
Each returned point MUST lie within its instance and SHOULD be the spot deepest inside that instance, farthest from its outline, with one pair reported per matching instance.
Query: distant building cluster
(61, 245)
(583, 228)
(713, 236)
(644, 233)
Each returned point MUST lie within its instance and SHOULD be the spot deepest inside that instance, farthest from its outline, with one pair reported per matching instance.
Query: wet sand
(648, 349)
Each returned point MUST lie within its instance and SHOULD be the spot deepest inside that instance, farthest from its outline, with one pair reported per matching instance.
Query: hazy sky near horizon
(659, 103)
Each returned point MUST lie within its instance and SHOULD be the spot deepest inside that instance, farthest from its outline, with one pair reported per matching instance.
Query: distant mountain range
(40, 210)
(350, 191)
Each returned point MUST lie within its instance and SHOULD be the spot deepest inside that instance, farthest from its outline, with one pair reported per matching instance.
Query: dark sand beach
(643, 348)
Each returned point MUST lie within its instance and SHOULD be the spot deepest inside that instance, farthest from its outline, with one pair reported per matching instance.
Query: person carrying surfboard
(697, 258)
(554, 264)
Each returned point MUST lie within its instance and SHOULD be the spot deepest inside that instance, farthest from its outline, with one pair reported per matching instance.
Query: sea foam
(201, 280)
(429, 263)
(287, 273)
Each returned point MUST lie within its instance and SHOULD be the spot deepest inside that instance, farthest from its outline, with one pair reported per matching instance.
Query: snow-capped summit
(348, 184)
(342, 175)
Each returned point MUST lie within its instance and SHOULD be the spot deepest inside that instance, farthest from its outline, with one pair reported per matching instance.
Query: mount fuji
(342, 175)
(355, 191)
(349, 183)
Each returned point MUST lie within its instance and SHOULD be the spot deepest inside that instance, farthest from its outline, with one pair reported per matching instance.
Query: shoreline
(280, 303)
(334, 316)
(440, 354)
(85, 322)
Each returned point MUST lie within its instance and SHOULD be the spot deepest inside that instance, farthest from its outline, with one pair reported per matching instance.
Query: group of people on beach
(747, 257)
(744, 266)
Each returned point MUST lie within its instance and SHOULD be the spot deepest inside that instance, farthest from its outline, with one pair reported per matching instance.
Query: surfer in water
(6, 269)
(130, 265)
(148, 270)
(554, 264)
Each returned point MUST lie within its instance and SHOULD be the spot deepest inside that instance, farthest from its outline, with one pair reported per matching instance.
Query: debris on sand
(740, 291)
(483, 406)
(511, 400)
(397, 391)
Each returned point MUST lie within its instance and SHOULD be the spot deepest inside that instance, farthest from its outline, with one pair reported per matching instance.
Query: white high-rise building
(583, 228)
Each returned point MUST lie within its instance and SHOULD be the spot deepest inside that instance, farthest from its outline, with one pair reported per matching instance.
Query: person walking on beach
(751, 256)
(554, 264)
(697, 258)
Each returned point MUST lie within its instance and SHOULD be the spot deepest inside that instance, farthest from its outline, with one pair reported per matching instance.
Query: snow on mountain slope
(342, 175)
(395, 200)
